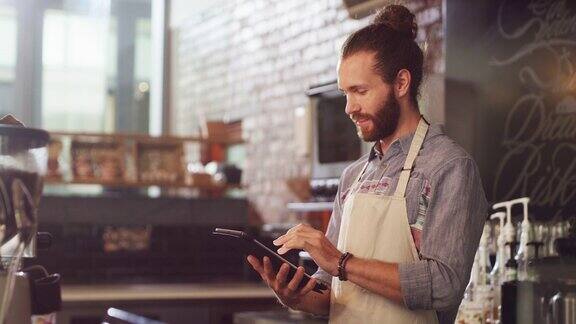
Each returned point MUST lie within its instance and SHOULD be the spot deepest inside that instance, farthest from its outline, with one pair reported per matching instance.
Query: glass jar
(23, 161)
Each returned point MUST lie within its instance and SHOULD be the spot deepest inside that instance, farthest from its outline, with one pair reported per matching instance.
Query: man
(408, 216)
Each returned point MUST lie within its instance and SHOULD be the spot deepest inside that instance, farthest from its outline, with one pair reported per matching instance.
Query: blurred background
(169, 118)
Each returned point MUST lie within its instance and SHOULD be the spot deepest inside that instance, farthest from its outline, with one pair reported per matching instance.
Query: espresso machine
(26, 295)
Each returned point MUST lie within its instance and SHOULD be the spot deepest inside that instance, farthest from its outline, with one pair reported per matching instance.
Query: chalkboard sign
(511, 98)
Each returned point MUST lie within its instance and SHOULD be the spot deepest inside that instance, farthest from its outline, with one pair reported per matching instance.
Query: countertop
(187, 291)
(277, 317)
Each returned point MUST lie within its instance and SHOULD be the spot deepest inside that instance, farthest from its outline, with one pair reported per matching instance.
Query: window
(75, 82)
(8, 51)
(87, 70)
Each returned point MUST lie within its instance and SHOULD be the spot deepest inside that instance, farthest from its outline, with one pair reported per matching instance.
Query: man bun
(392, 39)
(399, 18)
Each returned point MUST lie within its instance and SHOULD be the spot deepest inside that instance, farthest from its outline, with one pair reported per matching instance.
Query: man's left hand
(306, 238)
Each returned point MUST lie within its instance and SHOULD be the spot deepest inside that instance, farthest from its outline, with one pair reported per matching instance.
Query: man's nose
(351, 107)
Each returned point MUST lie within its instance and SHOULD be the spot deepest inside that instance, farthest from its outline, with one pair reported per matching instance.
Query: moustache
(357, 117)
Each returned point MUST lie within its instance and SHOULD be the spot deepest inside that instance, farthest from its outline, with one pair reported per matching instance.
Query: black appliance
(335, 142)
(119, 239)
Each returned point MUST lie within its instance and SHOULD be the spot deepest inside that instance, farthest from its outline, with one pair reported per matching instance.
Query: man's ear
(402, 83)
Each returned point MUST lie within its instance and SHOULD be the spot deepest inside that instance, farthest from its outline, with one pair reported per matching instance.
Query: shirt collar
(375, 152)
(403, 143)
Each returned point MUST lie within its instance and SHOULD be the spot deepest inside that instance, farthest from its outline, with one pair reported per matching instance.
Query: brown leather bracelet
(342, 265)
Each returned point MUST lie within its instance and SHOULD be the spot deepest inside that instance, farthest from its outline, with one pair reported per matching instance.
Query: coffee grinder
(23, 158)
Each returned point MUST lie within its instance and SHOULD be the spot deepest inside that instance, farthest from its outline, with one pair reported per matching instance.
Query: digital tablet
(250, 246)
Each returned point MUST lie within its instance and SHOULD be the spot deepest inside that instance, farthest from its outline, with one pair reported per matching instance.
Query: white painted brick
(253, 59)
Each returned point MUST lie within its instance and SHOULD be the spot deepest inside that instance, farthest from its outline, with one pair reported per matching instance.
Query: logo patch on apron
(381, 187)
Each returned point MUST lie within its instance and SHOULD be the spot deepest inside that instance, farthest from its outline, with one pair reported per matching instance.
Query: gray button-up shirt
(446, 207)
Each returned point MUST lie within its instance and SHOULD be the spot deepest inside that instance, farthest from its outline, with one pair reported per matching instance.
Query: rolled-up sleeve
(333, 230)
(450, 236)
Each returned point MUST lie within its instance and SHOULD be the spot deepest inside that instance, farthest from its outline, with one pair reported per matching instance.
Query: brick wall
(254, 59)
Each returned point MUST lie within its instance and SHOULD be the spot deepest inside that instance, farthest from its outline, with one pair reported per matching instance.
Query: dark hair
(392, 37)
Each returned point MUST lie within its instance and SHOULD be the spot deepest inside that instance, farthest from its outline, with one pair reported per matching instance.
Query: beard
(385, 120)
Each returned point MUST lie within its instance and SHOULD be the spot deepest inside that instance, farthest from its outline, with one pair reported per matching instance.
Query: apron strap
(417, 141)
(356, 182)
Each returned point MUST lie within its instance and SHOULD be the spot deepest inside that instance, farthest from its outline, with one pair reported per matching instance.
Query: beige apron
(376, 227)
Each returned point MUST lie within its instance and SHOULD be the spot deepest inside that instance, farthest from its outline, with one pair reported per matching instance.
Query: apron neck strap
(417, 141)
(357, 181)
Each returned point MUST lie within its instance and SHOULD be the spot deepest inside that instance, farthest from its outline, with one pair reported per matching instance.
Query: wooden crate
(159, 161)
(98, 160)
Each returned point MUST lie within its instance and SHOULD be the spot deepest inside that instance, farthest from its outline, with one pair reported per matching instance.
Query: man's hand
(306, 238)
(288, 292)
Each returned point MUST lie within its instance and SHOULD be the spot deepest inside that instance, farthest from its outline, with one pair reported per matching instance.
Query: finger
(258, 267)
(308, 288)
(294, 243)
(282, 274)
(254, 263)
(283, 238)
(294, 228)
(306, 233)
(268, 271)
(284, 248)
(293, 285)
(290, 232)
(299, 227)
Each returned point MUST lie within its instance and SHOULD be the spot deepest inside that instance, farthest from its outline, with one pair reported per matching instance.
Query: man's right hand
(288, 292)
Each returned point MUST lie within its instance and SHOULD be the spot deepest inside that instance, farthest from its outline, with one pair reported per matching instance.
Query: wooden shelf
(131, 160)
(162, 138)
(134, 184)
(183, 291)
